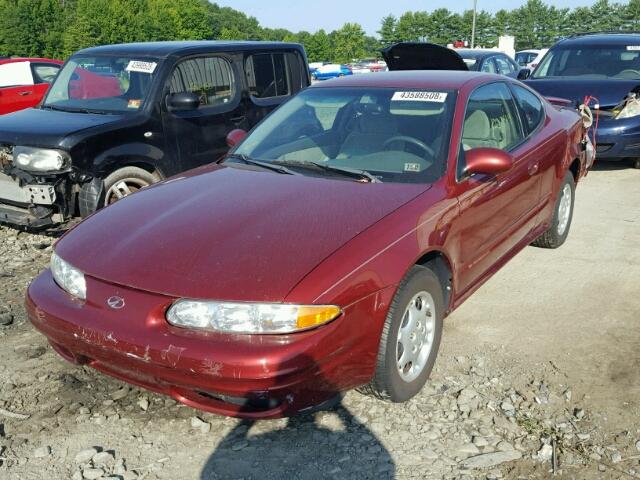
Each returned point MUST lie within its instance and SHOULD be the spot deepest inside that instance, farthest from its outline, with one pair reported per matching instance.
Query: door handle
(24, 94)
(533, 168)
(239, 119)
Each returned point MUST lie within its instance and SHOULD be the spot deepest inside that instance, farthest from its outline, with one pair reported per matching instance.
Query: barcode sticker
(142, 67)
(438, 97)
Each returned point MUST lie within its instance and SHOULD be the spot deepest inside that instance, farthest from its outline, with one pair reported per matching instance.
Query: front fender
(130, 153)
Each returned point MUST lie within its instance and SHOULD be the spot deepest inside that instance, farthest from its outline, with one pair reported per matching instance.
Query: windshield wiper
(74, 110)
(259, 163)
(345, 171)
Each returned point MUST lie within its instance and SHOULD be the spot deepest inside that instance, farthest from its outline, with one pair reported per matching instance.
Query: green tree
(387, 32)
(318, 47)
(348, 43)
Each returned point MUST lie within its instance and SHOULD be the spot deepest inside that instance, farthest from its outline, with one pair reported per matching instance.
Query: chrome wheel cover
(415, 336)
(122, 188)
(564, 209)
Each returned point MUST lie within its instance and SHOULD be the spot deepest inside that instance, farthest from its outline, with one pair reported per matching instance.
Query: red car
(323, 253)
(24, 81)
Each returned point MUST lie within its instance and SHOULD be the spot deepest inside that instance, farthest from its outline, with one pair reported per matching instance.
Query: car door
(16, 86)
(197, 137)
(496, 212)
(541, 151)
(271, 78)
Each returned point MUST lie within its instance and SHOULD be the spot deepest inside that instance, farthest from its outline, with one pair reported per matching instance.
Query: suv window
(209, 77)
(504, 66)
(530, 106)
(490, 121)
(272, 75)
(44, 72)
(488, 66)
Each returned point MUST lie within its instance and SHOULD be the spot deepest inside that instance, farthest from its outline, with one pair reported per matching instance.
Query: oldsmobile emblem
(115, 302)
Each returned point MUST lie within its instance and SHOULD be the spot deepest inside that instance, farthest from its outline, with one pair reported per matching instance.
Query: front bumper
(30, 205)
(618, 139)
(248, 376)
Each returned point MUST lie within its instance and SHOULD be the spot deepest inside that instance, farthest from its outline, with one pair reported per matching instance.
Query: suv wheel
(410, 337)
(125, 181)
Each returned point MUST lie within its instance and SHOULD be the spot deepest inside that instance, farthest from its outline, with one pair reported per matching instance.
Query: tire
(388, 382)
(125, 181)
(557, 233)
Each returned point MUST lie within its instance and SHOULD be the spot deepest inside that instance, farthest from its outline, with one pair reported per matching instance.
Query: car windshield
(617, 62)
(389, 134)
(102, 84)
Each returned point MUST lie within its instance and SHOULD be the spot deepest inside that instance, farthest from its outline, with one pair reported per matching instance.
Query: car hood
(422, 56)
(47, 128)
(227, 233)
(608, 92)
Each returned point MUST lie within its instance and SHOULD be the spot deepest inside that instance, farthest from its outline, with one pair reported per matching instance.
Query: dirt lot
(539, 371)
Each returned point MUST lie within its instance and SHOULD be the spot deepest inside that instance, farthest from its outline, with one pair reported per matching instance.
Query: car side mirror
(235, 136)
(524, 73)
(487, 161)
(183, 101)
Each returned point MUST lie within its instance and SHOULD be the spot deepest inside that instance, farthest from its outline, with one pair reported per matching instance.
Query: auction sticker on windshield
(142, 67)
(633, 48)
(439, 97)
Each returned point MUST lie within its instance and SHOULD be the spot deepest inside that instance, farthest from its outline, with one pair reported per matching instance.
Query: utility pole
(473, 25)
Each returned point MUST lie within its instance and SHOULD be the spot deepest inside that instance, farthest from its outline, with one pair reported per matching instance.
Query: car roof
(25, 59)
(439, 79)
(165, 49)
(605, 39)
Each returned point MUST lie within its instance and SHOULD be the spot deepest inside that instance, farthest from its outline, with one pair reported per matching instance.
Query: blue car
(606, 67)
(331, 70)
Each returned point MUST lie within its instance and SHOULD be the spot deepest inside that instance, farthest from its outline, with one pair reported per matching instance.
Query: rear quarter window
(274, 75)
(531, 108)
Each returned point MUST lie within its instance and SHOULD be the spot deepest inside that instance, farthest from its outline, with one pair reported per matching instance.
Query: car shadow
(330, 443)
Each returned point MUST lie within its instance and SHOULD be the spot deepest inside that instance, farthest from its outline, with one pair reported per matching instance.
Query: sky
(296, 15)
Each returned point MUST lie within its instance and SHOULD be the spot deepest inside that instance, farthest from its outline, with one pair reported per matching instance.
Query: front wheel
(410, 337)
(125, 181)
(557, 233)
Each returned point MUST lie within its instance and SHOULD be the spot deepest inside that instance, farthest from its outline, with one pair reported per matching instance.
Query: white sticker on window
(142, 67)
(411, 167)
(439, 97)
(634, 48)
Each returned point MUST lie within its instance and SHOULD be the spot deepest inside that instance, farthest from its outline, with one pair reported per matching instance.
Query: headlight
(68, 278)
(249, 318)
(40, 159)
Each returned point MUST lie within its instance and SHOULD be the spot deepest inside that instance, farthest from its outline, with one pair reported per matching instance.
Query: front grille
(603, 147)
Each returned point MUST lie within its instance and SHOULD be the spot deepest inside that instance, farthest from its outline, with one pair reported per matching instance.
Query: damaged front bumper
(248, 376)
(617, 139)
(30, 204)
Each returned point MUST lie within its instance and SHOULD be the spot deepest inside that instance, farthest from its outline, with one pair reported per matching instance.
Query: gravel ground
(538, 373)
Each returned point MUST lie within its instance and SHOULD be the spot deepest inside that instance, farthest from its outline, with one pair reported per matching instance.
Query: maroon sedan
(323, 253)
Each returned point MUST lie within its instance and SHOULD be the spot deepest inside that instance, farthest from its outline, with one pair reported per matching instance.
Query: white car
(530, 58)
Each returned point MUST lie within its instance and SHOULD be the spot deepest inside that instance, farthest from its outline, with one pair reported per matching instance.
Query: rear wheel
(562, 216)
(410, 337)
(125, 181)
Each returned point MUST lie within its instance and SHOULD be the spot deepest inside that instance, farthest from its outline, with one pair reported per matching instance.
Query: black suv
(121, 117)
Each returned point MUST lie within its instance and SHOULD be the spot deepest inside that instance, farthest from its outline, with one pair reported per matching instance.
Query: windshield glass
(395, 135)
(618, 62)
(103, 84)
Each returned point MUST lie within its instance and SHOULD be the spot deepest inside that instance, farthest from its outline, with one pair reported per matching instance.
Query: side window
(491, 120)
(504, 67)
(15, 74)
(272, 75)
(530, 106)
(211, 78)
(488, 66)
(44, 72)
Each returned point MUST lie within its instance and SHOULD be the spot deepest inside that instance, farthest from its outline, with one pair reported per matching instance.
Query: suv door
(271, 78)
(198, 136)
(496, 212)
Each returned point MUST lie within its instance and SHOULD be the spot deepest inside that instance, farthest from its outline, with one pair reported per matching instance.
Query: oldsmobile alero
(323, 253)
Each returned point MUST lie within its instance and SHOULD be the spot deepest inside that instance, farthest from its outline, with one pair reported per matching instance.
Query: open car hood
(422, 56)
